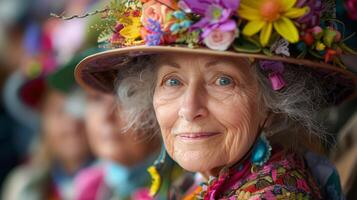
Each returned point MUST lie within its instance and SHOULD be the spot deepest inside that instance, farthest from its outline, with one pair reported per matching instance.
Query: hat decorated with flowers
(270, 32)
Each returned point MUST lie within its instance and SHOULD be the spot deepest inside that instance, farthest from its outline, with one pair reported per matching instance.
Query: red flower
(330, 54)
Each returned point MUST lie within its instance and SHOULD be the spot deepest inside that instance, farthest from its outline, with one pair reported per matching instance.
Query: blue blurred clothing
(9, 156)
(126, 180)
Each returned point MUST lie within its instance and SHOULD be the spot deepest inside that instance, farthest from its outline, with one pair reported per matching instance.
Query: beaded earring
(261, 151)
(154, 171)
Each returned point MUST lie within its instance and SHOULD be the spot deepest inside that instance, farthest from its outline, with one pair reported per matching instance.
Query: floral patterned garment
(284, 176)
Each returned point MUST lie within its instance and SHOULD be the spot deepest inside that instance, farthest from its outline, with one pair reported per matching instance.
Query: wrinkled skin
(209, 110)
(106, 137)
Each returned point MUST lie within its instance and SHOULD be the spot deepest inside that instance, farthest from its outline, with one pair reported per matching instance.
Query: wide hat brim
(99, 71)
(63, 79)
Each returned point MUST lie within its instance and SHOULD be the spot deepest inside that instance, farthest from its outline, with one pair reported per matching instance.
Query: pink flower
(219, 40)
(277, 81)
(156, 11)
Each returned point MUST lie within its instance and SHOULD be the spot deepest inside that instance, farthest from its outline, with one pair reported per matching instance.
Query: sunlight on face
(208, 109)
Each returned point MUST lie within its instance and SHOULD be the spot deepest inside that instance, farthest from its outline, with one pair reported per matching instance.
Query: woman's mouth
(196, 135)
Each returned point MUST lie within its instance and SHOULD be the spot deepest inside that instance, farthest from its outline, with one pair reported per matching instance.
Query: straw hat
(298, 32)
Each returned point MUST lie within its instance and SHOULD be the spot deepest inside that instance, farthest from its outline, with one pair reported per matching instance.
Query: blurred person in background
(17, 17)
(124, 155)
(27, 36)
(342, 120)
(62, 148)
(12, 28)
(35, 101)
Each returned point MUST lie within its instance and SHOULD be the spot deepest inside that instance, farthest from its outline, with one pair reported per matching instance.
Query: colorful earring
(261, 152)
(154, 171)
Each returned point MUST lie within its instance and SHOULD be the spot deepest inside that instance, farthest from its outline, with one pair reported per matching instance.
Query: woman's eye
(172, 82)
(223, 81)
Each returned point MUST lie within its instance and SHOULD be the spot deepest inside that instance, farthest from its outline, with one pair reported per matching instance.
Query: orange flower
(156, 11)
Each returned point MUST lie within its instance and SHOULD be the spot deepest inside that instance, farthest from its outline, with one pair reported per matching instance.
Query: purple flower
(153, 39)
(216, 14)
(155, 34)
(154, 26)
(272, 66)
(312, 18)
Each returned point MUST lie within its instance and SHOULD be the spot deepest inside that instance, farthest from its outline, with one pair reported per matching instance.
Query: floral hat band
(302, 32)
(290, 28)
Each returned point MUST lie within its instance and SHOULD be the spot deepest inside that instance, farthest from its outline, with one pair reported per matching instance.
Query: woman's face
(64, 134)
(208, 109)
(105, 136)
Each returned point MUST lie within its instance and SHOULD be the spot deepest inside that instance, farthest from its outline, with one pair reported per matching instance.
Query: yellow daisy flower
(264, 15)
(131, 28)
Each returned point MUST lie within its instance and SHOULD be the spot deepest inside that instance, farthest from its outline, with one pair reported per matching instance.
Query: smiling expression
(208, 109)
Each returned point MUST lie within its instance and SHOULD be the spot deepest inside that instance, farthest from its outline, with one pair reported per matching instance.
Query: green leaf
(329, 37)
(243, 44)
(302, 54)
(347, 49)
(267, 52)
(169, 16)
(273, 38)
(339, 63)
(315, 54)
(104, 36)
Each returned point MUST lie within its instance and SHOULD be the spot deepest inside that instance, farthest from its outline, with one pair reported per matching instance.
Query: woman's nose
(193, 104)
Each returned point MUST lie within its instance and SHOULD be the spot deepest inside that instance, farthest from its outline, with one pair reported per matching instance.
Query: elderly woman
(240, 109)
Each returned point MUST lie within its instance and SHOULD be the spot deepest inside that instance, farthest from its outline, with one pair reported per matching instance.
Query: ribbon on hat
(275, 70)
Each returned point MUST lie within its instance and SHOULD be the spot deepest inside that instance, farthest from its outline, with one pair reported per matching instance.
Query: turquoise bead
(179, 14)
(185, 24)
(261, 151)
(175, 27)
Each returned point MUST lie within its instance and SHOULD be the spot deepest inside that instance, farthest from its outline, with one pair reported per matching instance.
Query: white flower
(281, 47)
(219, 40)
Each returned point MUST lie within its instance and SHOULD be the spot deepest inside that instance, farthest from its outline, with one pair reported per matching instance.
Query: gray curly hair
(294, 108)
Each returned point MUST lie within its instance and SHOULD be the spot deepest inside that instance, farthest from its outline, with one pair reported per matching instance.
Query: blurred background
(41, 128)
(36, 102)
